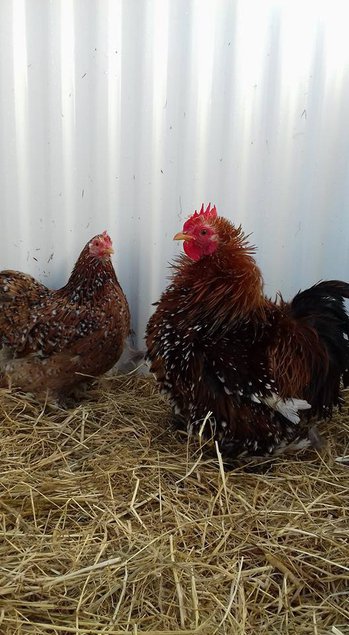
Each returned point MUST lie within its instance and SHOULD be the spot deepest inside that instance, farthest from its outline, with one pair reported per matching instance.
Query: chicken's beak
(109, 252)
(182, 236)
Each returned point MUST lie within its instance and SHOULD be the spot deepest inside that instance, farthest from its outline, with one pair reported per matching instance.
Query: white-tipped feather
(287, 407)
(290, 448)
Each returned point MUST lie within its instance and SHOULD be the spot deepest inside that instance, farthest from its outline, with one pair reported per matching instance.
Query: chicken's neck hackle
(88, 277)
(227, 282)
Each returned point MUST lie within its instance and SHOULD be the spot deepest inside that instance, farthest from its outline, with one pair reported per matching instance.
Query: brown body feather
(52, 338)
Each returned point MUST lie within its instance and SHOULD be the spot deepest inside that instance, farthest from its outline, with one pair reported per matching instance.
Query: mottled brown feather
(54, 335)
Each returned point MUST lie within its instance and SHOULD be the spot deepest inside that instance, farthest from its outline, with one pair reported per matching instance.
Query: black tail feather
(322, 307)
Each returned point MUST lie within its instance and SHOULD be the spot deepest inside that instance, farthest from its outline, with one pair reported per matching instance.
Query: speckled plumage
(52, 338)
(217, 345)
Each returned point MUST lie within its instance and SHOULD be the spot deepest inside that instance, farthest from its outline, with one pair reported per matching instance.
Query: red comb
(106, 237)
(206, 213)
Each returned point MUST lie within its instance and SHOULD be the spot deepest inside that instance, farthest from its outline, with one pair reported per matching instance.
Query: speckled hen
(52, 340)
(256, 370)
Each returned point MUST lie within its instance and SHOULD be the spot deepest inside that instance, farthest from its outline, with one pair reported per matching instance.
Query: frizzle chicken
(52, 340)
(255, 369)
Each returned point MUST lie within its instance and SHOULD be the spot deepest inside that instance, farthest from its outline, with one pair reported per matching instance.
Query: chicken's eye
(203, 232)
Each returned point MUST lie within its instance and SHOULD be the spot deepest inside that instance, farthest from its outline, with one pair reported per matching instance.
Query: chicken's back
(21, 297)
(310, 353)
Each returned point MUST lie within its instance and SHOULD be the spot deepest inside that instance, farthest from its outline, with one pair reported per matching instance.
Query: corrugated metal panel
(127, 115)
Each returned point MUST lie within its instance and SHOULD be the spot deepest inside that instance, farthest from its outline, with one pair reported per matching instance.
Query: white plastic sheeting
(127, 115)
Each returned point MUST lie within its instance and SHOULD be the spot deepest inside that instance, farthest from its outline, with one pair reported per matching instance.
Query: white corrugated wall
(127, 115)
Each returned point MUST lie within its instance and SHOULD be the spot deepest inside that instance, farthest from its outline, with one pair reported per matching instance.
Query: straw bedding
(112, 522)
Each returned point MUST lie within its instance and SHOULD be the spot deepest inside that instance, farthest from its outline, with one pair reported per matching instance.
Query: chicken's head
(200, 234)
(101, 246)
